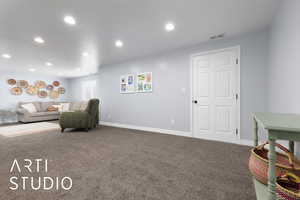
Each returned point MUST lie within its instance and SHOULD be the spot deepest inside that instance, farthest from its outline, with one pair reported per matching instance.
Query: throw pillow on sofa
(65, 107)
(52, 108)
(45, 105)
(83, 105)
(58, 107)
(29, 107)
(75, 106)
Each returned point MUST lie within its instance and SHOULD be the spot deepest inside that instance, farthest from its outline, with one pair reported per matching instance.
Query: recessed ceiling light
(70, 20)
(31, 69)
(119, 43)
(169, 27)
(39, 40)
(48, 64)
(7, 56)
(85, 54)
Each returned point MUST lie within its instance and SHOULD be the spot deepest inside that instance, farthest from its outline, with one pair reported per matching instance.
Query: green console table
(278, 127)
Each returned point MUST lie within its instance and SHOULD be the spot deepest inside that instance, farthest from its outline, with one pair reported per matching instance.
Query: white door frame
(238, 114)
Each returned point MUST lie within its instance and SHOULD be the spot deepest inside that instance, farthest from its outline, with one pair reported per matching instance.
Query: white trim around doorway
(222, 139)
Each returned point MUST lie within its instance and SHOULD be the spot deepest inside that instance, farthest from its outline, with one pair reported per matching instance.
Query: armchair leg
(62, 130)
(87, 130)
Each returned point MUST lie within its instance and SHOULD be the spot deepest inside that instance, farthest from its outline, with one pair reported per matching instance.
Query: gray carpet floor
(119, 164)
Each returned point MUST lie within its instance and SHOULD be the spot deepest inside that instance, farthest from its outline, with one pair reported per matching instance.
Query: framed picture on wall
(144, 82)
(127, 84)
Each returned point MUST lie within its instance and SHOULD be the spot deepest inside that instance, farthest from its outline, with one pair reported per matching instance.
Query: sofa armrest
(77, 119)
(74, 114)
(22, 111)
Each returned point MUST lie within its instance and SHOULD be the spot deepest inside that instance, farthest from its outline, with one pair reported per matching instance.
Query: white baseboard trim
(173, 132)
(149, 129)
(251, 143)
(231, 140)
(246, 142)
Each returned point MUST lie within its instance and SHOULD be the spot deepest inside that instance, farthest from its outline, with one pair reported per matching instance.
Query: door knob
(195, 101)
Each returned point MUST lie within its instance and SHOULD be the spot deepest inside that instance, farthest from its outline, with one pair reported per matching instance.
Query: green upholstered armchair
(81, 119)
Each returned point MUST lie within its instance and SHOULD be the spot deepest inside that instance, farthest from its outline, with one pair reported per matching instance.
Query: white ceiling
(138, 23)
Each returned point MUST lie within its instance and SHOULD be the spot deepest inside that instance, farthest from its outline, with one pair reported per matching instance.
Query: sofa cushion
(45, 106)
(41, 114)
(65, 107)
(29, 107)
(36, 104)
(75, 106)
(83, 105)
(79, 106)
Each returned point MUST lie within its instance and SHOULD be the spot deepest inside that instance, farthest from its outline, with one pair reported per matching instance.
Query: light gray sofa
(42, 113)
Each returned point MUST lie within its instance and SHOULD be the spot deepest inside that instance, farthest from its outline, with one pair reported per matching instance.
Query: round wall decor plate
(49, 87)
(22, 84)
(53, 94)
(61, 90)
(16, 91)
(40, 84)
(56, 83)
(32, 90)
(42, 94)
(11, 81)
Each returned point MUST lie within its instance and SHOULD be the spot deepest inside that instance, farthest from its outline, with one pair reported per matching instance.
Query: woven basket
(288, 187)
(259, 163)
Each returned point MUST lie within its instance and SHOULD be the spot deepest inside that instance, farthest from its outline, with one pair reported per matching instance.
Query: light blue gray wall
(9, 101)
(284, 70)
(170, 99)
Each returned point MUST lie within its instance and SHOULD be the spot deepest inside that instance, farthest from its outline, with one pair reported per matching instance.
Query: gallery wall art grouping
(39, 88)
(127, 83)
(131, 84)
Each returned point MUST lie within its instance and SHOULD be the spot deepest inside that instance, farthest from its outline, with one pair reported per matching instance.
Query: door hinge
(237, 61)
(236, 96)
(236, 131)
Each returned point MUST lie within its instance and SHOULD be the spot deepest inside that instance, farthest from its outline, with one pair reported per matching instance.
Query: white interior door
(215, 83)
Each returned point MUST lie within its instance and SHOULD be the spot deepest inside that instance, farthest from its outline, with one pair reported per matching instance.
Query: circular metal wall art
(32, 90)
(16, 91)
(40, 84)
(53, 94)
(56, 83)
(22, 84)
(61, 90)
(42, 94)
(11, 81)
(49, 87)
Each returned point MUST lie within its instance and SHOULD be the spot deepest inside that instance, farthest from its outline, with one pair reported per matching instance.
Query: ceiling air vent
(217, 36)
